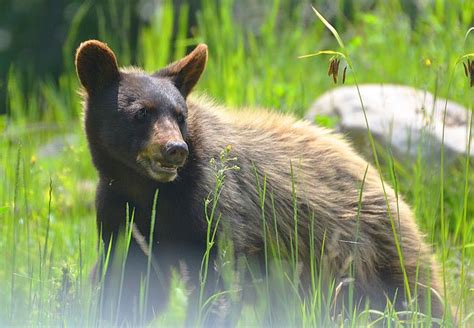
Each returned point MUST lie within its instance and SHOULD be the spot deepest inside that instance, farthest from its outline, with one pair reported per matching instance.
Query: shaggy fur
(327, 176)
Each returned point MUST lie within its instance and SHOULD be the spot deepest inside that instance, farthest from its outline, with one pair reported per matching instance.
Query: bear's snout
(161, 161)
(175, 152)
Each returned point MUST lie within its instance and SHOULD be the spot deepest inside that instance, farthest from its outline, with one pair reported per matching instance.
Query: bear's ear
(96, 66)
(186, 72)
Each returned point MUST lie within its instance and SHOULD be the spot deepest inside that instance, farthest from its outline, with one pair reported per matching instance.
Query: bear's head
(137, 119)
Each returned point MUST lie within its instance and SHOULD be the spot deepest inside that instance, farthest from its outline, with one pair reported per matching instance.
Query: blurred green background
(38, 37)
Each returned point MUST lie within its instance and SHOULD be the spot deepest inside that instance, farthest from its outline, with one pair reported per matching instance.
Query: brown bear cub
(321, 200)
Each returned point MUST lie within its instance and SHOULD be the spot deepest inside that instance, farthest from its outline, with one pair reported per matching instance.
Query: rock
(407, 120)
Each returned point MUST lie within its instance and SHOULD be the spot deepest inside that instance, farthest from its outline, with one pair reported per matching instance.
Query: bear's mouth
(159, 171)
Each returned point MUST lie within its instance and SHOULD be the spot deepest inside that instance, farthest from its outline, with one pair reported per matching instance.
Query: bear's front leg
(133, 290)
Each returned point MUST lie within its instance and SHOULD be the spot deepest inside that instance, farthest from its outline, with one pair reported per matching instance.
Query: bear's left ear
(96, 66)
(186, 72)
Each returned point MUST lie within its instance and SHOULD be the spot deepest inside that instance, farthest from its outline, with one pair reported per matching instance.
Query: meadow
(48, 238)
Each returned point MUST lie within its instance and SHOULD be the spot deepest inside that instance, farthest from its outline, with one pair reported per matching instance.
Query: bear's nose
(175, 152)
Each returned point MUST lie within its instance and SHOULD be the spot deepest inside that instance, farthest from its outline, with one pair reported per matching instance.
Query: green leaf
(3, 209)
(330, 27)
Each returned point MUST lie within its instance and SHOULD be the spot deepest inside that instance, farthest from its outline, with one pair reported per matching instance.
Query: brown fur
(96, 65)
(303, 165)
(328, 175)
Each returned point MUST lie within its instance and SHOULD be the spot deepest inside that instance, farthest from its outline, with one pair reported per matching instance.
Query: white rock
(408, 120)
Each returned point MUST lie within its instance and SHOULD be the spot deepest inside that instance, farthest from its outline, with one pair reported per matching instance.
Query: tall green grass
(47, 219)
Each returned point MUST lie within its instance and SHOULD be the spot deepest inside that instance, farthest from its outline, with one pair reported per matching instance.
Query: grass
(48, 244)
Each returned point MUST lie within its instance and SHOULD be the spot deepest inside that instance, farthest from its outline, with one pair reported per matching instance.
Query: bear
(156, 150)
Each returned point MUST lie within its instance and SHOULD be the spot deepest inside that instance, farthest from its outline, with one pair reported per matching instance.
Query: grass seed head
(333, 69)
(469, 71)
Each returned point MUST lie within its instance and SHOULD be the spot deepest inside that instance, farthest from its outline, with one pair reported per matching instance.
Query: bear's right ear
(186, 72)
(96, 66)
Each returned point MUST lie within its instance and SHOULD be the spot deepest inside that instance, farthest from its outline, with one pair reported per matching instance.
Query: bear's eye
(181, 118)
(141, 114)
